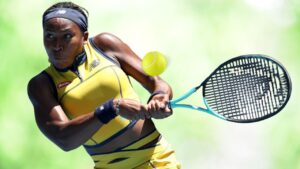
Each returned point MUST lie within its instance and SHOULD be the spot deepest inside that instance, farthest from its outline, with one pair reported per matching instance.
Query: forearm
(163, 87)
(70, 134)
(73, 133)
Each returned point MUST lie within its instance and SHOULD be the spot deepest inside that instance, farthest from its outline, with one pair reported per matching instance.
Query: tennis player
(85, 97)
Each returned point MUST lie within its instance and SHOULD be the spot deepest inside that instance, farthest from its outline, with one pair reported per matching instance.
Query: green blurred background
(197, 36)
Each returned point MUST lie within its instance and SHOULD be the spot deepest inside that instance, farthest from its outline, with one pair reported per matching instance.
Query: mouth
(58, 58)
(58, 55)
(59, 62)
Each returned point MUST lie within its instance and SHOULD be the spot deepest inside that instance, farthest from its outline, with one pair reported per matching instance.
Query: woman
(85, 98)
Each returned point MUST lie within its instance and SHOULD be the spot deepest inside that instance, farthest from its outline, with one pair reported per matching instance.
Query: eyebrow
(64, 30)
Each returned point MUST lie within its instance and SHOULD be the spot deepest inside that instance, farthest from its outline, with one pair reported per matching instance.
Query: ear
(85, 36)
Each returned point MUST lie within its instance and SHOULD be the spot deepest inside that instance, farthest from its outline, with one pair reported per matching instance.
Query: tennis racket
(244, 89)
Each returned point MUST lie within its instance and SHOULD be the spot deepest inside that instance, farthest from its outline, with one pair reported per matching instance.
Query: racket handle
(169, 105)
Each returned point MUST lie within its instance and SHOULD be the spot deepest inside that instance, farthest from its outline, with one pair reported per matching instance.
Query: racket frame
(174, 103)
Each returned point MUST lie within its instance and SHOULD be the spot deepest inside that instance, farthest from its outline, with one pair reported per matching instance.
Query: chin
(60, 64)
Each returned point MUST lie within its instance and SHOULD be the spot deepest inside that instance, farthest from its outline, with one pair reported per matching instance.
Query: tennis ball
(154, 63)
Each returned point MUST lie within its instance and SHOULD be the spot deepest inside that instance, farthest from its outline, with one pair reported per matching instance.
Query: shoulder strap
(110, 58)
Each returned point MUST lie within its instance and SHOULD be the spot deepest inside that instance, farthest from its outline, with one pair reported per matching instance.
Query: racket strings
(249, 91)
(223, 94)
(248, 88)
(239, 98)
(262, 107)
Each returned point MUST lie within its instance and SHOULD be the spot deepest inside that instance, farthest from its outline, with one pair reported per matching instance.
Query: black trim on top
(115, 61)
(80, 59)
(119, 149)
(120, 86)
(118, 160)
(88, 147)
(93, 140)
(102, 52)
(66, 92)
(131, 150)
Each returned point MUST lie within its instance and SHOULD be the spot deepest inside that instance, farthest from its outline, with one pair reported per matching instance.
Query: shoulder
(38, 85)
(108, 42)
(37, 81)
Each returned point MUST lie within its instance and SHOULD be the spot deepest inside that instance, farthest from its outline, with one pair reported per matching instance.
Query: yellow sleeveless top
(97, 79)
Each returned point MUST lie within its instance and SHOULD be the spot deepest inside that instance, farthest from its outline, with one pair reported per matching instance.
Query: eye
(49, 36)
(68, 36)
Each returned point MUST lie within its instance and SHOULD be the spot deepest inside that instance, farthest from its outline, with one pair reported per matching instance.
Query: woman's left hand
(158, 106)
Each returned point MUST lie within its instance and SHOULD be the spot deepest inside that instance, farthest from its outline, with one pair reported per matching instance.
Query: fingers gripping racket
(244, 89)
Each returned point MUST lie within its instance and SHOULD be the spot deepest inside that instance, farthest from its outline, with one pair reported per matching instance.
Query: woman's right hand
(131, 109)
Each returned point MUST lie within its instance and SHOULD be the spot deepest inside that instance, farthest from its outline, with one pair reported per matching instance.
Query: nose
(57, 46)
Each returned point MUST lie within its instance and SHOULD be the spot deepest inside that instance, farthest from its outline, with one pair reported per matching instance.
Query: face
(63, 41)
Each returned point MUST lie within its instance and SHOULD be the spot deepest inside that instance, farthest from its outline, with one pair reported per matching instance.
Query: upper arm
(46, 107)
(129, 61)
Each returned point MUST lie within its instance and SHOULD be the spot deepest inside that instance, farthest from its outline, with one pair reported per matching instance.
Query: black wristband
(154, 94)
(106, 112)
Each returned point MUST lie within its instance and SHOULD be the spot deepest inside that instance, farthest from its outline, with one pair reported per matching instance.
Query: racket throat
(197, 108)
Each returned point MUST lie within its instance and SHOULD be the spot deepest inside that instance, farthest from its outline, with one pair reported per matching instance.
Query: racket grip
(170, 104)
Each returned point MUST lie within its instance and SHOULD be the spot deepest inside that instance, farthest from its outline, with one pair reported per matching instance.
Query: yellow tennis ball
(154, 63)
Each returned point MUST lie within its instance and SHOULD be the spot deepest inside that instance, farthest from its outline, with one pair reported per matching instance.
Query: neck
(79, 59)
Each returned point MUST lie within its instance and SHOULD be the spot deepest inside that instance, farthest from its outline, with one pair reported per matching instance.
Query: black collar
(80, 59)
